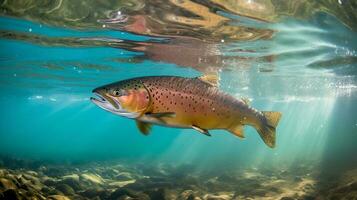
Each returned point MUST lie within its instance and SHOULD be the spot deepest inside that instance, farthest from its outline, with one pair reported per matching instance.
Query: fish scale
(185, 98)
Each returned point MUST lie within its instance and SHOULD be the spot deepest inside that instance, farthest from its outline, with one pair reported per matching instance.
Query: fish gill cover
(295, 57)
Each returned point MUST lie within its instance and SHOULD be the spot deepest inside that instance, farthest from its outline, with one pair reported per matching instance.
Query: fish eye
(118, 92)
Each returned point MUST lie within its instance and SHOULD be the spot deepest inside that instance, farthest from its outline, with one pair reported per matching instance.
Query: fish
(195, 103)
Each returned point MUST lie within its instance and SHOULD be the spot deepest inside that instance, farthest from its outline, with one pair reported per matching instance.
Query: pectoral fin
(143, 127)
(238, 131)
(159, 116)
(203, 131)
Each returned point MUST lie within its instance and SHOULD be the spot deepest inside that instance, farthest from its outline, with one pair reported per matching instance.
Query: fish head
(125, 98)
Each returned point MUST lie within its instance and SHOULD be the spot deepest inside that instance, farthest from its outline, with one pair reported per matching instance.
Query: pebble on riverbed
(112, 181)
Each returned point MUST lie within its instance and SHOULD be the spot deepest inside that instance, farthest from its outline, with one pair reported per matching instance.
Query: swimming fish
(180, 102)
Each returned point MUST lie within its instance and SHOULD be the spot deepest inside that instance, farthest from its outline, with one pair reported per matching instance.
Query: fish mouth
(105, 102)
(111, 105)
(99, 99)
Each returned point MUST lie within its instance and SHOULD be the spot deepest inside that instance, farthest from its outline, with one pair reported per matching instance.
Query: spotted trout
(180, 102)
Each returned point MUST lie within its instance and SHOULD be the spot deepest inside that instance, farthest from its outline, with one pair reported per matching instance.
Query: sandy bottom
(20, 180)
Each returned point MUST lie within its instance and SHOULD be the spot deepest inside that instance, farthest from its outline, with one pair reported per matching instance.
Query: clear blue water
(305, 69)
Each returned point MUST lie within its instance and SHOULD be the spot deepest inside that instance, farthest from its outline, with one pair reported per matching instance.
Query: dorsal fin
(246, 100)
(211, 79)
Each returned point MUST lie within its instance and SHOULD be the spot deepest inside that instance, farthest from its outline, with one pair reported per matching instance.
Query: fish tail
(267, 128)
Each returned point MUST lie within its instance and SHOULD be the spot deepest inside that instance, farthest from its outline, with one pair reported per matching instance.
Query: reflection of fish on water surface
(184, 103)
(204, 56)
(190, 19)
(190, 41)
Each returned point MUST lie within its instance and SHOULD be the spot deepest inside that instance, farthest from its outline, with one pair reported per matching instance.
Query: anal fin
(238, 131)
(203, 131)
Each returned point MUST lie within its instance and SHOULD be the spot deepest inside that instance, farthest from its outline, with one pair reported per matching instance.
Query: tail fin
(268, 126)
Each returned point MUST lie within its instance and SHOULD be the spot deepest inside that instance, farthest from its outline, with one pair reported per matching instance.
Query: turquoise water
(305, 68)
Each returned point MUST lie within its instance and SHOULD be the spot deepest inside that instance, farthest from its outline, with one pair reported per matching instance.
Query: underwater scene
(178, 99)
